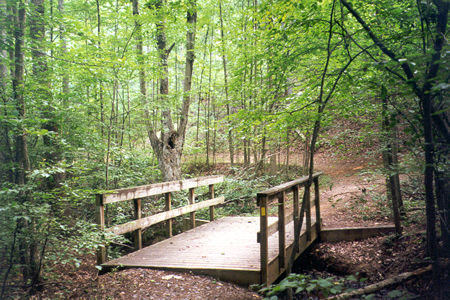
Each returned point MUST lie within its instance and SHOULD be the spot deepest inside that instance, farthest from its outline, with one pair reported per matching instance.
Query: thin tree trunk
(100, 83)
(225, 74)
(62, 37)
(6, 154)
(388, 160)
(22, 157)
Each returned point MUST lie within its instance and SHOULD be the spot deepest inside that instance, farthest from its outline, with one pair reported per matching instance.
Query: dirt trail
(344, 180)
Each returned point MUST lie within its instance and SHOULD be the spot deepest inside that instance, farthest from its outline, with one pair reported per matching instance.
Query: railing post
(308, 211)
(168, 198)
(263, 238)
(317, 204)
(137, 232)
(101, 251)
(296, 218)
(192, 201)
(281, 230)
(211, 208)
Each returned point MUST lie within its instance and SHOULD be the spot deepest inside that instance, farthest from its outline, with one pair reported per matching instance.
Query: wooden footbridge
(244, 250)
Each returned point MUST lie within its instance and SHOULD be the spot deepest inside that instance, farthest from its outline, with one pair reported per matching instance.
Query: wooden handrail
(280, 192)
(163, 216)
(165, 188)
(287, 186)
(158, 189)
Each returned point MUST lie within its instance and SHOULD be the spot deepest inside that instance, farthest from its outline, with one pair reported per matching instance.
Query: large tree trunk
(169, 146)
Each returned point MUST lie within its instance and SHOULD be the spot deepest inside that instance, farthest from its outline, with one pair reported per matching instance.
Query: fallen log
(382, 284)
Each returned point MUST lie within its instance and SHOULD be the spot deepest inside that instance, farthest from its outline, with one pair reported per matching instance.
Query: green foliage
(309, 286)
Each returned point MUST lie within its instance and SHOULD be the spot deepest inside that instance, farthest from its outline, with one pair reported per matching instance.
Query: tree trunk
(6, 154)
(168, 148)
(388, 160)
(65, 79)
(27, 259)
(225, 74)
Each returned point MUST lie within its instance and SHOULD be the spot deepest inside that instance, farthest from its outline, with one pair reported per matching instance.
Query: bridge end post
(282, 230)
(192, 201)
(168, 199)
(101, 251)
(211, 208)
(263, 238)
(317, 205)
(137, 232)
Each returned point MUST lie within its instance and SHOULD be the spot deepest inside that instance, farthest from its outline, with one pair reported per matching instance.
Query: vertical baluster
(192, 201)
(317, 204)
(308, 211)
(281, 230)
(211, 208)
(168, 198)
(137, 232)
(296, 217)
(101, 251)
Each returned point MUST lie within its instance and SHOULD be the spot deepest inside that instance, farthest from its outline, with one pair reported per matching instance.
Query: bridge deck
(226, 248)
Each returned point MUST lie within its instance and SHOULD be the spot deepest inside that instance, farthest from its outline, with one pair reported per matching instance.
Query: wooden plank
(163, 216)
(168, 206)
(226, 245)
(287, 186)
(282, 230)
(354, 233)
(192, 201)
(159, 188)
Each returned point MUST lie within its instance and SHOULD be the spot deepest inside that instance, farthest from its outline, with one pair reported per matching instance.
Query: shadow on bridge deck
(226, 249)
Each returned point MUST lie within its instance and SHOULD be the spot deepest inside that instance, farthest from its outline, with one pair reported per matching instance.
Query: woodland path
(346, 182)
(157, 284)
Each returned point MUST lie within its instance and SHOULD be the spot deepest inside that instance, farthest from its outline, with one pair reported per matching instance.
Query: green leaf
(324, 283)
(351, 278)
(395, 294)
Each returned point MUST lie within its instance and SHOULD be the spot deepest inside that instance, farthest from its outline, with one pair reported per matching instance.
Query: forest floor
(347, 199)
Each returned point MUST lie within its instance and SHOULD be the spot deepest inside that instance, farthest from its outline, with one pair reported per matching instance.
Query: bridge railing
(280, 193)
(135, 194)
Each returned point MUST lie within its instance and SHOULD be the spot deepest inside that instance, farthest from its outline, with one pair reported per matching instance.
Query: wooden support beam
(137, 232)
(192, 201)
(296, 216)
(317, 204)
(211, 208)
(168, 199)
(282, 230)
(158, 189)
(308, 212)
(354, 233)
(264, 239)
(101, 251)
(163, 216)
